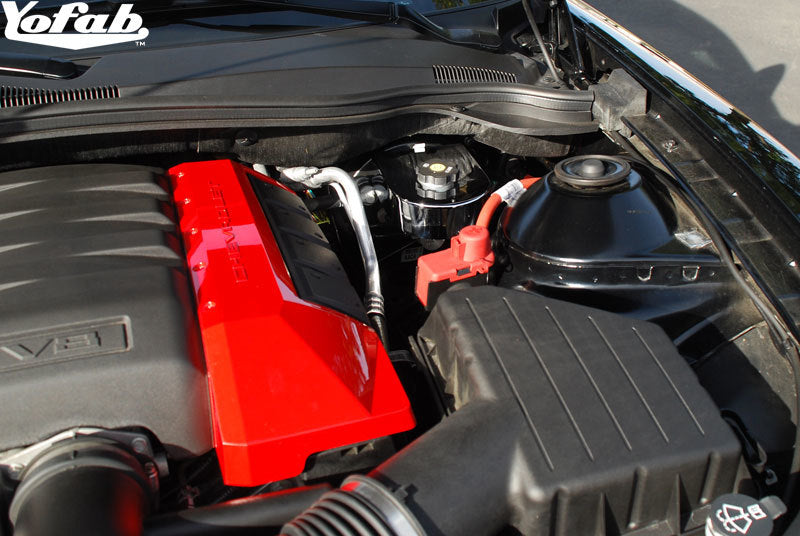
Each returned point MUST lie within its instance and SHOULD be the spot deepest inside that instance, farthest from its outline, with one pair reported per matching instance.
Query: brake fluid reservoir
(439, 189)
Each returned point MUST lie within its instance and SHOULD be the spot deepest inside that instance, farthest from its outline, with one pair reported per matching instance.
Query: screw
(139, 445)
(246, 137)
(210, 304)
(199, 266)
(670, 146)
(150, 469)
(152, 475)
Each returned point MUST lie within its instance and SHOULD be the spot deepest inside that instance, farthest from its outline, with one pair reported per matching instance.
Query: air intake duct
(82, 486)
(361, 506)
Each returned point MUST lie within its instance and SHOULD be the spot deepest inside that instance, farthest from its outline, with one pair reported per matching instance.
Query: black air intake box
(598, 425)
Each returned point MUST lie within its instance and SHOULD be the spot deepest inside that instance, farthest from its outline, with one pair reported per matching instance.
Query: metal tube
(312, 177)
(355, 211)
(538, 35)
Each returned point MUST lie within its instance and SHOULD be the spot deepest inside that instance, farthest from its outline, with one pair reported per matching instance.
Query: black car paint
(749, 182)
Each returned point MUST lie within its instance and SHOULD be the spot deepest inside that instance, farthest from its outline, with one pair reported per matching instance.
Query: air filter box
(604, 428)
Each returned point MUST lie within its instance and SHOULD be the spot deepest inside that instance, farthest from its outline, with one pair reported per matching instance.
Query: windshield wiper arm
(401, 13)
(373, 11)
(13, 64)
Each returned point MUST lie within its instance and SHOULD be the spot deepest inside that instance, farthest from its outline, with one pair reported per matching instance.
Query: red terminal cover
(287, 378)
(470, 253)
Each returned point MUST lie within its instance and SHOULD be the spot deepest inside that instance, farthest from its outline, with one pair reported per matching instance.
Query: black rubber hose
(452, 480)
(361, 507)
(538, 35)
(457, 473)
(261, 514)
(379, 323)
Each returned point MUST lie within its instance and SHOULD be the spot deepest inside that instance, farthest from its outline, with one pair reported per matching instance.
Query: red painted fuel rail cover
(287, 378)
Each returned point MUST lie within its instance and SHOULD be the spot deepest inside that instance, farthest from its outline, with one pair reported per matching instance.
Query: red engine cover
(287, 378)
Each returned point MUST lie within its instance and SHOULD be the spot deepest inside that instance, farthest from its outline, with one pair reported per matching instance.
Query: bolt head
(139, 445)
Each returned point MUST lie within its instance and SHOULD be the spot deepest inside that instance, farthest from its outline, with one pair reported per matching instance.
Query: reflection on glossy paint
(771, 161)
(287, 377)
(649, 54)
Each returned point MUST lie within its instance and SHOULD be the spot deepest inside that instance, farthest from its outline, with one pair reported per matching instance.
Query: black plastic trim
(520, 110)
(316, 272)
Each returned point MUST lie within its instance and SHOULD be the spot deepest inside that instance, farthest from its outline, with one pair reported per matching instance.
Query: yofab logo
(87, 30)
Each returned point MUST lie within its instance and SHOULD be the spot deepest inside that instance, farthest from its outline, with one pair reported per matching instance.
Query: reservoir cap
(737, 514)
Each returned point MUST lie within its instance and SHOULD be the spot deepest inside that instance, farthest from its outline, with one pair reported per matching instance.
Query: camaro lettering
(86, 31)
(231, 243)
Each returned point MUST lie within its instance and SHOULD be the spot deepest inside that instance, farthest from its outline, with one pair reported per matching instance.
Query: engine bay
(352, 268)
(434, 337)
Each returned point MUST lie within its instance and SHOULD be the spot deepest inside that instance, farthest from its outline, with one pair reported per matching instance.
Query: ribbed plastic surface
(11, 96)
(615, 432)
(456, 74)
(97, 324)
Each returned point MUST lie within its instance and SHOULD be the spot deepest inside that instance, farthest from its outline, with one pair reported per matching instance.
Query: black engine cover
(97, 326)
